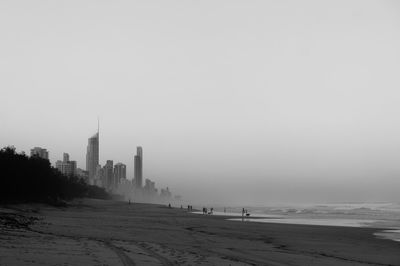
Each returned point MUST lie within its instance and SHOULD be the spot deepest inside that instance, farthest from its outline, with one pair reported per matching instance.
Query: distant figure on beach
(169, 205)
(242, 212)
(211, 210)
(129, 202)
(181, 207)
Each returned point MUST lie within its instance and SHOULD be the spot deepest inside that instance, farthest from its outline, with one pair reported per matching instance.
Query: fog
(233, 102)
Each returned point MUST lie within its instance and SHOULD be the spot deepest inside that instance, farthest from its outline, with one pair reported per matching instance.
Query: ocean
(385, 216)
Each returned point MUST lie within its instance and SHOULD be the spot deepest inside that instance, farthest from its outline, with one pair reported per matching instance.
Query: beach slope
(98, 232)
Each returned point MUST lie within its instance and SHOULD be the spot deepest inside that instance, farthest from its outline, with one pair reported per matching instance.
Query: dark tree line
(33, 179)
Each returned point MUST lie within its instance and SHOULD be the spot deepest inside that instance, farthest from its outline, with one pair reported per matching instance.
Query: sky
(233, 102)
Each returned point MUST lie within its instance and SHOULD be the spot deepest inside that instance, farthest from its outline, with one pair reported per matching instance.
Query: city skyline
(112, 177)
(92, 159)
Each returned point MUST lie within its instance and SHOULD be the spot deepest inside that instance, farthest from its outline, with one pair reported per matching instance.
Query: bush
(32, 179)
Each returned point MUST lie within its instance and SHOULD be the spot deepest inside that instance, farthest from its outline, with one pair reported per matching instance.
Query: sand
(96, 232)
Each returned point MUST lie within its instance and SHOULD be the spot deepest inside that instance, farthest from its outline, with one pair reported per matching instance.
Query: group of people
(245, 213)
(189, 208)
(205, 210)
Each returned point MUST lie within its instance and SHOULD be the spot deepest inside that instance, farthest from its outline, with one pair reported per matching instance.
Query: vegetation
(32, 179)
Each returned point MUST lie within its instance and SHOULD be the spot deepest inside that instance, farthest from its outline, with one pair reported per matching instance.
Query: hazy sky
(233, 102)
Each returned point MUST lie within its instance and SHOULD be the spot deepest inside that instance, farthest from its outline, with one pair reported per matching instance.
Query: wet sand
(96, 232)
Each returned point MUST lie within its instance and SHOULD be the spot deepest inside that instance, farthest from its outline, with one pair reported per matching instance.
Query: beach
(100, 232)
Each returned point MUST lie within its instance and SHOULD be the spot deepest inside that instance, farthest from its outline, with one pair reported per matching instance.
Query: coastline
(93, 232)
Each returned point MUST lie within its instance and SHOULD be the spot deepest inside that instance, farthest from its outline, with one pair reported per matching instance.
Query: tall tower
(92, 155)
(119, 173)
(139, 167)
(109, 175)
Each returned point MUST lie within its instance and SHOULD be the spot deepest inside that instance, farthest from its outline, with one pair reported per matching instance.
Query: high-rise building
(138, 172)
(99, 181)
(66, 166)
(119, 173)
(108, 175)
(42, 153)
(65, 157)
(150, 187)
(139, 152)
(73, 167)
(92, 156)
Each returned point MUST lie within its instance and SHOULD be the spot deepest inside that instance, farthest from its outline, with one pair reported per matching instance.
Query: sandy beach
(97, 232)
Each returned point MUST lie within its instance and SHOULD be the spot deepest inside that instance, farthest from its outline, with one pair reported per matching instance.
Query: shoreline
(388, 232)
(93, 232)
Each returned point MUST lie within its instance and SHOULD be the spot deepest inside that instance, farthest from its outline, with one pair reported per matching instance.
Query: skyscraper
(139, 167)
(108, 175)
(119, 173)
(92, 156)
(42, 153)
(65, 157)
(66, 166)
(150, 187)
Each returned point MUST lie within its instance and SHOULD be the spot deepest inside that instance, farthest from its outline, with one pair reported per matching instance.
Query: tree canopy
(33, 179)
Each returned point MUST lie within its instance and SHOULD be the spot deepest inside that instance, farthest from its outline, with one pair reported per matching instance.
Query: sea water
(385, 216)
